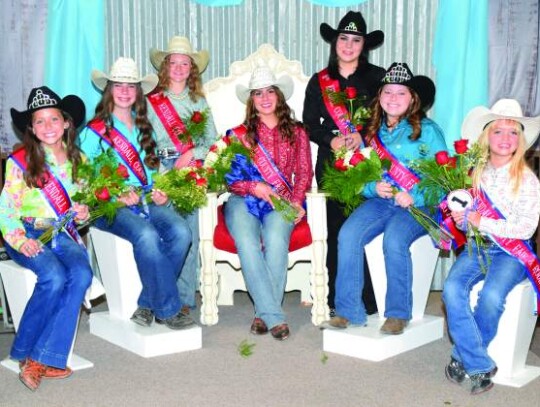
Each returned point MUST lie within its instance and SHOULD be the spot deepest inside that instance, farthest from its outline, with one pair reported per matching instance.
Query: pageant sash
(266, 166)
(445, 221)
(125, 149)
(261, 169)
(398, 172)
(515, 247)
(54, 193)
(171, 121)
(337, 111)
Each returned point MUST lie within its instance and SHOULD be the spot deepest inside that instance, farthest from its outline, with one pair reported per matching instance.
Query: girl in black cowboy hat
(399, 131)
(40, 178)
(348, 67)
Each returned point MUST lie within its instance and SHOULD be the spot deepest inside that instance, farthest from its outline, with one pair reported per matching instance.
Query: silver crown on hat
(398, 74)
(351, 27)
(41, 99)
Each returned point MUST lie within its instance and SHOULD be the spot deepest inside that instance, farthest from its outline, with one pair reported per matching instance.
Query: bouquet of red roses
(452, 174)
(345, 179)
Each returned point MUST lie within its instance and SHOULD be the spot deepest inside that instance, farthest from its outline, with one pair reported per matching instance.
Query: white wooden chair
(220, 269)
(19, 285)
(510, 346)
(122, 287)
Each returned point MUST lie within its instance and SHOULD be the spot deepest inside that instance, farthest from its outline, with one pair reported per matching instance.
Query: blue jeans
(473, 330)
(160, 245)
(263, 248)
(400, 230)
(188, 282)
(49, 321)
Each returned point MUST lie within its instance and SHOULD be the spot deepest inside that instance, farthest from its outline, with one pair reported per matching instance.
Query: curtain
(513, 53)
(22, 29)
(460, 57)
(75, 46)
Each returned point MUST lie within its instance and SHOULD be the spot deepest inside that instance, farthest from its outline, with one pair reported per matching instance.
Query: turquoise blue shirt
(93, 145)
(431, 141)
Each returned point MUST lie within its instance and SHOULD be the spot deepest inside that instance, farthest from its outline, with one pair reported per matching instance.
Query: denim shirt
(430, 142)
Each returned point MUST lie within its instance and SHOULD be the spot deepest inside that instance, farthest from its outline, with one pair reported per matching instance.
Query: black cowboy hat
(400, 74)
(353, 23)
(42, 98)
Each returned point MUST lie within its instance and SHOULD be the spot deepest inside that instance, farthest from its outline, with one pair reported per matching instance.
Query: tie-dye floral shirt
(19, 201)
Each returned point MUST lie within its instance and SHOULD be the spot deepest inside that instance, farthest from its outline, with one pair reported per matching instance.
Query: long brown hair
(414, 116)
(517, 164)
(193, 83)
(36, 173)
(145, 138)
(286, 121)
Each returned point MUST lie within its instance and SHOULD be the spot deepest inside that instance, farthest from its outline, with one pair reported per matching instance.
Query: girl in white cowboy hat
(348, 68)
(179, 98)
(399, 131)
(40, 178)
(160, 237)
(282, 158)
(506, 212)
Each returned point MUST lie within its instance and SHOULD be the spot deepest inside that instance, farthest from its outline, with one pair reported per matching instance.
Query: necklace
(180, 96)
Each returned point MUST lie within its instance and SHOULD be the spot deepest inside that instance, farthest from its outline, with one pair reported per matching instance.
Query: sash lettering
(266, 166)
(338, 112)
(127, 151)
(404, 177)
(515, 247)
(173, 124)
(53, 191)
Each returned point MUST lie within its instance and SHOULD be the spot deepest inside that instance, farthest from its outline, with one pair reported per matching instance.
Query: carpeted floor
(291, 373)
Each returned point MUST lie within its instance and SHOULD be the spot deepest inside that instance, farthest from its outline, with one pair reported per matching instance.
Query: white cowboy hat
(263, 77)
(124, 70)
(180, 45)
(479, 117)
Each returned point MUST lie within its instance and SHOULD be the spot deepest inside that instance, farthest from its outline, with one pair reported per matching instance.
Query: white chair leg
(19, 285)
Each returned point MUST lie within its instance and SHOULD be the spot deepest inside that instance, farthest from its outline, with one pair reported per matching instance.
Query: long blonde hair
(518, 165)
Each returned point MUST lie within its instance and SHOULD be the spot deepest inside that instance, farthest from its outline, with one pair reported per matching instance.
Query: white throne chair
(367, 342)
(220, 268)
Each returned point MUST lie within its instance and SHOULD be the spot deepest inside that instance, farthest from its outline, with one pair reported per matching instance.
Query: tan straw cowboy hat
(180, 45)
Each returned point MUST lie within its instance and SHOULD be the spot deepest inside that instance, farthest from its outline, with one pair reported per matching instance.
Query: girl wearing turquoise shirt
(398, 127)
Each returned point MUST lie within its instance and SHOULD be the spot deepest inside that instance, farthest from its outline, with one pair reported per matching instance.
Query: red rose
(452, 162)
(461, 146)
(192, 174)
(227, 140)
(213, 148)
(122, 171)
(198, 163)
(102, 194)
(356, 158)
(350, 92)
(340, 165)
(359, 127)
(197, 117)
(201, 182)
(442, 157)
